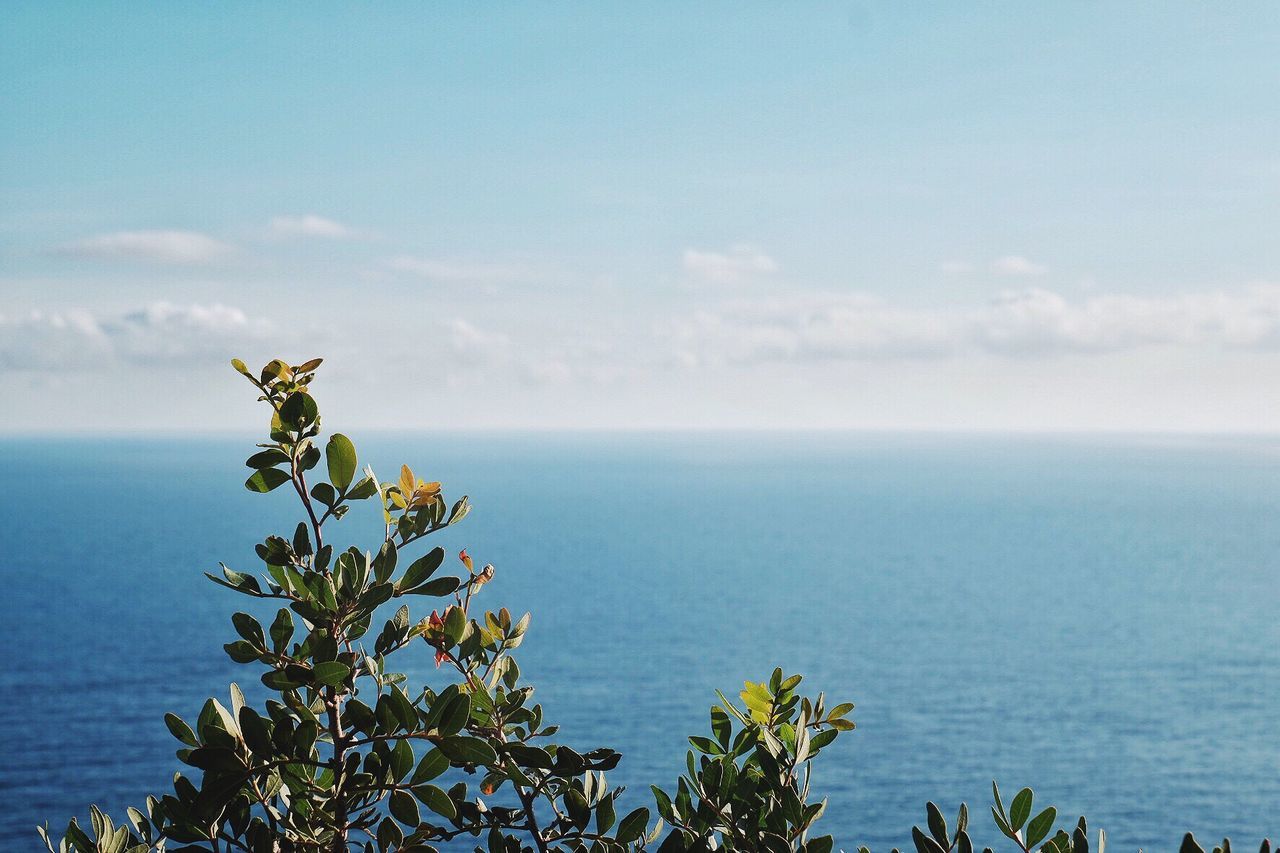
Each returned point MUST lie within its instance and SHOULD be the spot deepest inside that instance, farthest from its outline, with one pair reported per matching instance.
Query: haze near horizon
(850, 215)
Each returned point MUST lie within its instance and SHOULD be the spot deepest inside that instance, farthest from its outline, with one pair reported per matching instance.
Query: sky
(856, 215)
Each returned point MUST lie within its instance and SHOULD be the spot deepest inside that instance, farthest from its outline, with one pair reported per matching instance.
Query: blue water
(1097, 618)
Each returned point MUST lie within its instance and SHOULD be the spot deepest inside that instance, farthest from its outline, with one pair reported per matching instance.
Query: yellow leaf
(398, 499)
(406, 480)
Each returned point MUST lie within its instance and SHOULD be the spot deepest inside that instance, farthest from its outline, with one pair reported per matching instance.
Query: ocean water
(1096, 618)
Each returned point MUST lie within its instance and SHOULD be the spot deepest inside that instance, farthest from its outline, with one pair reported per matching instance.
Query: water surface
(1098, 618)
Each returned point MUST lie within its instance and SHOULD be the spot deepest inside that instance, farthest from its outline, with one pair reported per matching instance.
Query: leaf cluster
(747, 785)
(345, 754)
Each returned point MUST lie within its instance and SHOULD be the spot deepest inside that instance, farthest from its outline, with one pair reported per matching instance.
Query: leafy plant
(747, 785)
(1027, 832)
(347, 754)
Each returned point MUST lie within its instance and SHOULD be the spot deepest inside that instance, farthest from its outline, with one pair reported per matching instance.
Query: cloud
(40, 340)
(454, 272)
(1017, 265)
(164, 247)
(310, 225)
(741, 262)
(815, 327)
(1037, 321)
(1033, 322)
(158, 334)
(466, 339)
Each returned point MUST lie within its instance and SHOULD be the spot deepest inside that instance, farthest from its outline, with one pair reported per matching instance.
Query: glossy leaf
(266, 480)
(340, 456)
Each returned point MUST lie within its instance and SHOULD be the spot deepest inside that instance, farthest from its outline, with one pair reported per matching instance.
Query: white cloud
(741, 262)
(466, 339)
(157, 334)
(310, 225)
(66, 340)
(1017, 265)
(1036, 321)
(816, 327)
(1026, 323)
(454, 272)
(165, 247)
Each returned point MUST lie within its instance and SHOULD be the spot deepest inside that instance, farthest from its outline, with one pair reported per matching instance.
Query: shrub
(346, 754)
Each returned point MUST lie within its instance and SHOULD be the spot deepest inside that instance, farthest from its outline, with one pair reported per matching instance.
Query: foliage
(1026, 832)
(346, 754)
(747, 785)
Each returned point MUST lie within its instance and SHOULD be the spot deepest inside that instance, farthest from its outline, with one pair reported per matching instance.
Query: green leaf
(467, 750)
(605, 815)
(404, 808)
(340, 455)
(268, 458)
(274, 369)
(401, 760)
(432, 765)
(455, 622)
(456, 714)
(925, 844)
(331, 673)
(299, 410)
(436, 800)
(632, 826)
(1040, 826)
(1190, 845)
(241, 651)
(403, 709)
(255, 731)
(281, 630)
(530, 756)
(1020, 809)
(324, 493)
(246, 626)
(460, 510)
(1002, 824)
(706, 745)
(179, 729)
(840, 711)
(439, 587)
(265, 480)
(663, 801)
(385, 563)
(721, 726)
(821, 739)
(389, 835)
(937, 824)
(366, 488)
(421, 569)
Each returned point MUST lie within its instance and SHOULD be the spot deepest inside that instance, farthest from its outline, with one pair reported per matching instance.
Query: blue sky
(882, 215)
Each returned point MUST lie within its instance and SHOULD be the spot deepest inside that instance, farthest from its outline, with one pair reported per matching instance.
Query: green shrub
(346, 754)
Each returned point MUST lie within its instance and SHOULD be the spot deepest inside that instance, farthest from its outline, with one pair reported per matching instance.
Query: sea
(1095, 617)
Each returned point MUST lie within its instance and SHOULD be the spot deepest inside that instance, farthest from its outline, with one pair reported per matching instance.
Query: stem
(333, 704)
(300, 486)
(526, 800)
